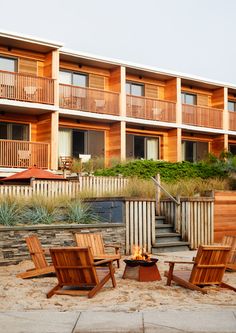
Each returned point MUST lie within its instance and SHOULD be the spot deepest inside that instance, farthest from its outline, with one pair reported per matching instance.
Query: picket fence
(96, 186)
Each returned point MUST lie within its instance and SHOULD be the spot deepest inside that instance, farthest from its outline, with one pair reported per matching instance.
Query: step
(160, 219)
(162, 228)
(170, 247)
(168, 237)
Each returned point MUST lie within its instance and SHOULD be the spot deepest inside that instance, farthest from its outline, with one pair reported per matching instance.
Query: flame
(140, 254)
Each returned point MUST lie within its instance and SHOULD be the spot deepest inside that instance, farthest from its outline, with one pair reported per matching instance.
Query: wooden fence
(140, 224)
(196, 223)
(96, 186)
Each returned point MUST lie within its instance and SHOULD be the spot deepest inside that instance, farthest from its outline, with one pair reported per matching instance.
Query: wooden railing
(232, 121)
(28, 88)
(23, 154)
(88, 99)
(202, 116)
(196, 219)
(150, 108)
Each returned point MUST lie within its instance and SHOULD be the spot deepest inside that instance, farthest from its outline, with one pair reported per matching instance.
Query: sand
(129, 295)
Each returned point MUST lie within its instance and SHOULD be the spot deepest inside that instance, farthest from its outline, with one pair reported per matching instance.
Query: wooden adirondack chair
(77, 273)
(38, 257)
(95, 241)
(208, 269)
(230, 241)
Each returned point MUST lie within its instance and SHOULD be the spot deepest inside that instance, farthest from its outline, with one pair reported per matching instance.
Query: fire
(140, 254)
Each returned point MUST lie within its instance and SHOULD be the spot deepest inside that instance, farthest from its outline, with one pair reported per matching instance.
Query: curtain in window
(65, 142)
(152, 149)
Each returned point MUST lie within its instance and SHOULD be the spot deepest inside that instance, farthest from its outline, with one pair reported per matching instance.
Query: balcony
(202, 116)
(27, 88)
(232, 120)
(24, 154)
(88, 99)
(150, 109)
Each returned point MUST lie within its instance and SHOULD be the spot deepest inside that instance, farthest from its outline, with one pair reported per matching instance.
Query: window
(232, 149)
(193, 151)
(134, 89)
(189, 98)
(73, 142)
(7, 64)
(13, 131)
(74, 79)
(138, 146)
(231, 106)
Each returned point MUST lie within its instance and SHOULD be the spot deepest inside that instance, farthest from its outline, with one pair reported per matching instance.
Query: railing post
(178, 226)
(158, 194)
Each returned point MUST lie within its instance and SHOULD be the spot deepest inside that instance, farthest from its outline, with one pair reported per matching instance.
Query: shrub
(169, 172)
(78, 212)
(41, 210)
(10, 212)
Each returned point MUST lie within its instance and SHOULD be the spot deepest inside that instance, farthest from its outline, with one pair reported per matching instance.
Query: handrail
(164, 190)
(177, 217)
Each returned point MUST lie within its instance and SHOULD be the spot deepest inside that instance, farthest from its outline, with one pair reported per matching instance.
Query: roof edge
(30, 39)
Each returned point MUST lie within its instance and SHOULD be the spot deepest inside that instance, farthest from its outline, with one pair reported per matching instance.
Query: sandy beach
(129, 295)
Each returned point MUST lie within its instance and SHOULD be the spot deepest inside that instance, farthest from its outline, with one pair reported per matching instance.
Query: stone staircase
(167, 240)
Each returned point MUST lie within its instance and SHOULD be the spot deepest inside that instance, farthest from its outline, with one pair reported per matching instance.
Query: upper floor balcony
(24, 154)
(89, 99)
(26, 88)
(150, 108)
(202, 116)
(232, 120)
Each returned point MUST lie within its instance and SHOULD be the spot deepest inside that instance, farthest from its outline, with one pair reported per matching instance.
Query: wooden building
(55, 102)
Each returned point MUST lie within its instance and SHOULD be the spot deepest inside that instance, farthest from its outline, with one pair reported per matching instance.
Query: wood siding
(224, 214)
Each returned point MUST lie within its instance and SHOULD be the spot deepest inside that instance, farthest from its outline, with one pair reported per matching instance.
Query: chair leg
(52, 291)
(112, 275)
(225, 285)
(170, 274)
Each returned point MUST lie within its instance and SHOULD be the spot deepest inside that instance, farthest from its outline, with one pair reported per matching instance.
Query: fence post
(158, 194)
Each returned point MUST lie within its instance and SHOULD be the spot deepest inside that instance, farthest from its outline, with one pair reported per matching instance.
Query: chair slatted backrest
(74, 266)
(210, 264)
(36, 252)
(94, 241)
(230, 241)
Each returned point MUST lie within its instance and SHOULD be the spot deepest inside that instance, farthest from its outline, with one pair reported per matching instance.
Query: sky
(190, 36)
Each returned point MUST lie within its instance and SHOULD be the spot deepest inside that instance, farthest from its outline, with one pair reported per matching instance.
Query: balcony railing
(88, 99)
(28, 88)
(150, 108)
(232, 120)
(23, 154)
(202, 116)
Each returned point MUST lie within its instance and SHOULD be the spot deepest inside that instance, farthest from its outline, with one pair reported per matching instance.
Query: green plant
(78, 212)
(10, 212)
(170, 172)
(41, 210)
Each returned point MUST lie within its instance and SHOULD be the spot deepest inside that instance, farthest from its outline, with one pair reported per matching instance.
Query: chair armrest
(101, 262)
(112, 245)
(178, 262)
(116, 247)
(46, 251)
